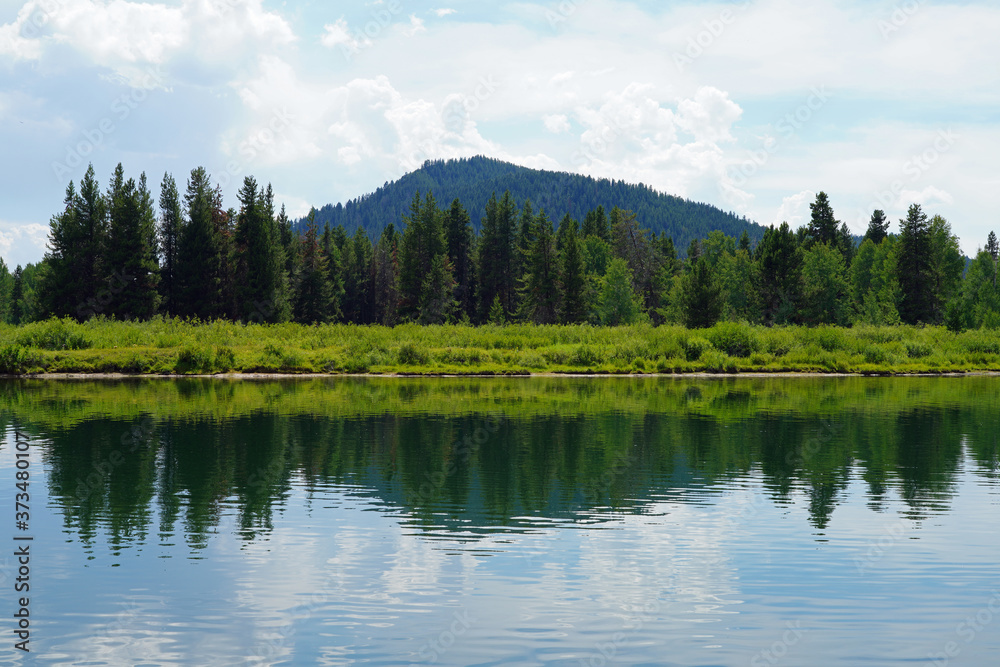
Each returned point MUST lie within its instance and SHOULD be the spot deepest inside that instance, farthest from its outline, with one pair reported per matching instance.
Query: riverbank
(63, 348)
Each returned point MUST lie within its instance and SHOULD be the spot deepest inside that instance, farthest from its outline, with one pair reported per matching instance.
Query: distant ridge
(474, 180)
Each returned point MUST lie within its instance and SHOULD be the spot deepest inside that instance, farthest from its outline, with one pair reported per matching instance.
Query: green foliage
(694, 347)
(15, 360)
(702, 297)
(54, 334)
(824, 286)
(735, 339)
(617, 303)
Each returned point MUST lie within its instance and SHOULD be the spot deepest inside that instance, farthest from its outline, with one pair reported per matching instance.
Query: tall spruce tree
(357, 279)
(423, 240)
(572, 281)
(130, 257)
(878, 227)
(540, 286)
(261, 282)
(914, 268)
(171, 220)
(313, 294)
(702, 296)
(199, 252)
(17, 310)
(385, 277)
(458, 233)
(496, 256)
(779, 267)
(331, 252)
(823, 226)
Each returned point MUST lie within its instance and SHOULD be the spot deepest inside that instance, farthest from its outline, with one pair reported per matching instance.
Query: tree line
(122, 254)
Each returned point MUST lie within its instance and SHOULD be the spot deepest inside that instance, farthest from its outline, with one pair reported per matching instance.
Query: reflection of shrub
(54, 334)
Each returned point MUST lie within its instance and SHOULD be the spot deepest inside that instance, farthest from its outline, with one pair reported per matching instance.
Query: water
(544, 521)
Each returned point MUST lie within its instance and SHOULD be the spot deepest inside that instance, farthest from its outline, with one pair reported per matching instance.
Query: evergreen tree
(668, 255)
(437, 298)
(357, 279)
(335, 276)
(873, 284)
(779, 266)
(496, 256)
(979, 304)
(497, 315)
(572, 281)
(540, 287)
(130, 255)
(314, 296)
(633, 244)
(845, 244)
(823, 226)
(261, 282)
(617, 303)
(914, 269)
(947, 264)
(596, 224)
(878, 227)
(290, 244)
(423, 240)
(199, 252)
(171, 221)
(6, 286)
(458, 232)
(824, 285)
(702, 298)
(744, 242)
(17, 314)
(565, 225)
(738, 280)
(385, 278)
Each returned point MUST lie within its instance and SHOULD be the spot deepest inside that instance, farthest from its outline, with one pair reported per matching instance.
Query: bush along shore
(177, 347)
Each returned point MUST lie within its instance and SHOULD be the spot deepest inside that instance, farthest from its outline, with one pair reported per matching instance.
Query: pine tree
(437, 298)
(261, 282)
(497, 315)
(59, 287)
(540, 287)
(423, 240)
(458, 233)
(572, 281)
(313, 294)
(17, 310)
(823, 225)
(171, 220)
(878, 227)
(357, 279)
(596, 224)
(385, 277)
(89, 245)
(130, 257)
(335, 275)
(496, 256)
(779, 267)
(199, 252)
(290, 244)
(565, 225)
(702, 297)
(914, 270)
(633, 244)
(993, 248)
(744, 242)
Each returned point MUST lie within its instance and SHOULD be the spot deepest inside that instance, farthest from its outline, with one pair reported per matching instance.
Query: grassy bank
(177, 347)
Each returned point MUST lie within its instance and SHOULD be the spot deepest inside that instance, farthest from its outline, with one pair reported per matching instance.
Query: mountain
(474, 180)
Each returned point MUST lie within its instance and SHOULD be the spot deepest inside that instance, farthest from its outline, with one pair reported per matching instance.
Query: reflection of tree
(472, 471)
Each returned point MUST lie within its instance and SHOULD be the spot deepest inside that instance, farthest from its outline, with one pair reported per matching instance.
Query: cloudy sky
(751, 106)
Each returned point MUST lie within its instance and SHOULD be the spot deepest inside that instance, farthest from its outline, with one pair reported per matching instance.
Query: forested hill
(474, 180)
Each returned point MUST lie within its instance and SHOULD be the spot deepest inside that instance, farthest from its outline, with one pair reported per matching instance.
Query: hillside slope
(474, 180)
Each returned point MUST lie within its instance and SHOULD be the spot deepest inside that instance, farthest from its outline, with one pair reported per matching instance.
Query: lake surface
(639, 521)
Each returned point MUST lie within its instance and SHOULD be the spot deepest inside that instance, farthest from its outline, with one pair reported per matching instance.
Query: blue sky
(751, 106)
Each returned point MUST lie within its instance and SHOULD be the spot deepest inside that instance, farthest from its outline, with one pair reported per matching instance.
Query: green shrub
(829, 338)
(225, 359)
(54, 334)
(15, 360)
(194, 359)
(694, 347)
(915, 350)
(585, 356)
(410, 355)
(735, 339)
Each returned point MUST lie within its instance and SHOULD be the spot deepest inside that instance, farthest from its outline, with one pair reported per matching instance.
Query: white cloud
(416, 26)
(335, 34)
(927, 196)
(795, 209)
(22, 243)
(556, 123)
(441, 13)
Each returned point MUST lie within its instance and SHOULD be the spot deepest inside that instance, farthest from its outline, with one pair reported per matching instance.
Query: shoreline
(494, 376)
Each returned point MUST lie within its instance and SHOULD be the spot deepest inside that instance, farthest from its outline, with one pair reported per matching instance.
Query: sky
(753, 106)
